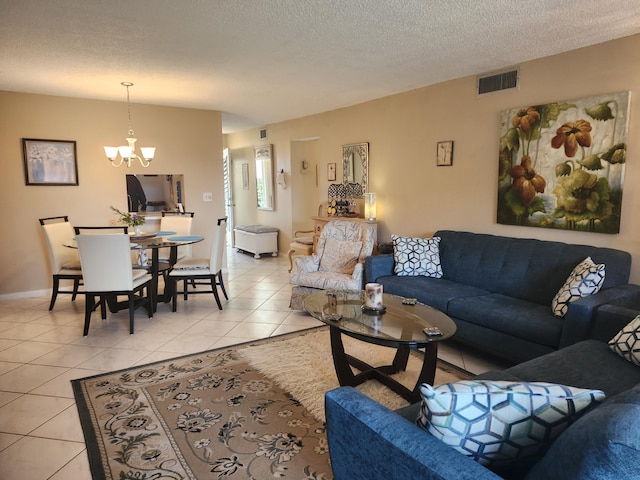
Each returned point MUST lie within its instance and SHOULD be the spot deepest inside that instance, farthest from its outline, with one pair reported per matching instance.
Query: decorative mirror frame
(348, 151)
(264, 178)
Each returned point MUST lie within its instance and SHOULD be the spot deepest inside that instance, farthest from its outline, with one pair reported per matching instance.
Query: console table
(320, 222)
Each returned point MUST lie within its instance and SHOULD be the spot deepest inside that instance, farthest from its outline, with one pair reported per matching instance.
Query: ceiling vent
(497, 82)
(263, 134)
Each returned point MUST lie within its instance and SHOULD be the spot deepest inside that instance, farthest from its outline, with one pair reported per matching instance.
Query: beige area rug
(213, 414)
(303, 366)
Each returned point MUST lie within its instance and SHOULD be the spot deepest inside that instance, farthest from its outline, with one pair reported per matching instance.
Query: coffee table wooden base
(343, 363)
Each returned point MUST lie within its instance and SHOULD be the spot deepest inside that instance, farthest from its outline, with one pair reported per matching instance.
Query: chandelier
(128, 153)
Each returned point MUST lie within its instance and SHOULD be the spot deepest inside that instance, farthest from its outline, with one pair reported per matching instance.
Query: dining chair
(207, 269)
(107, 270)
(64, 261)
(181, 224)
(101, 230)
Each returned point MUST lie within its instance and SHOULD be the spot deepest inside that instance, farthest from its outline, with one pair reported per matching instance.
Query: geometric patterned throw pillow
(501, 424)
(416, 256)
(586, 279)
(626, 343)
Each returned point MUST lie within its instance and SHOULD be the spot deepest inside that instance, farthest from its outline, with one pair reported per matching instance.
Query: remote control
(409, 301)
(432, 331)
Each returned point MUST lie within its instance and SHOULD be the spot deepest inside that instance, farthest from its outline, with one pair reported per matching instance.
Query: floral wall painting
(50, 162)
(561, 165)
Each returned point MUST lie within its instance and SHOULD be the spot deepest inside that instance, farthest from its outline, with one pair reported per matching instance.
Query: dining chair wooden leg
(221, 283)
(214, 289)
(89, 305)
(103, 308)
(132, 310)
(76, 287)
(54, 292)
(174, 296)
(150, 301)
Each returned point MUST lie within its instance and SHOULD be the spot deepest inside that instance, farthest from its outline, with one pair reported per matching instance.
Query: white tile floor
(41, 351)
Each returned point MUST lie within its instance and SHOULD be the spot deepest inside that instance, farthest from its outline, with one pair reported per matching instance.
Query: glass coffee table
(400, 326)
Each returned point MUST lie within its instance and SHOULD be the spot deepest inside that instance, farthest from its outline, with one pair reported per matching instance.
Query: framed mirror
(154, 193)
(264, 178)
(355, 164)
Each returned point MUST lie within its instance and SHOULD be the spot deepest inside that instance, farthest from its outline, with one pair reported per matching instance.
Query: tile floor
(41, 351)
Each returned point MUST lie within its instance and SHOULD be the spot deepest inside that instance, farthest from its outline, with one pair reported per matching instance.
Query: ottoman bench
(256, 239)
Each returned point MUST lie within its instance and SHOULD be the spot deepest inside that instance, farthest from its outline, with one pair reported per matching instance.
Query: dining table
(154, 241)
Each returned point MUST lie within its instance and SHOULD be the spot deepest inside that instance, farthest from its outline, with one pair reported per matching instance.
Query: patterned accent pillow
(416, 256)
(626, 343)
(498, 423)
(339, 256)
(586, 279)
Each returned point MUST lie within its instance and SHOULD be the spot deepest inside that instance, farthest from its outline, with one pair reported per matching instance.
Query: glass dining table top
(154, 240)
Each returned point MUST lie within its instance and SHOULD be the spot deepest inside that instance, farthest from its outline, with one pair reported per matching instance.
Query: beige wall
(417, 198)
(188, 142)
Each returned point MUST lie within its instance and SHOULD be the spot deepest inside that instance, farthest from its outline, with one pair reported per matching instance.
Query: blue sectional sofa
(369, 441)
(498, 290)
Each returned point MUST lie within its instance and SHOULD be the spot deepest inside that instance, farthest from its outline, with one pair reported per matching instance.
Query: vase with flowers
(131, 219)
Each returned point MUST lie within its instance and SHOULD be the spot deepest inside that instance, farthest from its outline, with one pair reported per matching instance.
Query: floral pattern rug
(218, 414)
(204, 416)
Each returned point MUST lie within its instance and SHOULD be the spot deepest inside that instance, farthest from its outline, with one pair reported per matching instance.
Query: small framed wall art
(50, 162)
(245, 176)
(444, 154)
(331, 172)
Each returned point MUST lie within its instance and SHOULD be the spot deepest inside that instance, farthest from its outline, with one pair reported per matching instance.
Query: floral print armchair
(339, 259)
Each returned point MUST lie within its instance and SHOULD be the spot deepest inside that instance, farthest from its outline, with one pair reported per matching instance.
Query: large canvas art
(562, 164)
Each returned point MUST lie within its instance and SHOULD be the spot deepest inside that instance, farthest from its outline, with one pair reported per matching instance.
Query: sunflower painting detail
(561, 165)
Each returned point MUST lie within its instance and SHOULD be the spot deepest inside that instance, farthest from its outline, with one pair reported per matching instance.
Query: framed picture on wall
(50, 162)
(331, 172)
(245, 176)
(444, 154)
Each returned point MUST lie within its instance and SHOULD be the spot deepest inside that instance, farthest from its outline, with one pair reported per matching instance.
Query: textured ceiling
(264, 61)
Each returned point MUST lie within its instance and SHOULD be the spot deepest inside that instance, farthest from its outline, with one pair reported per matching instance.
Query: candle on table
(373, 296)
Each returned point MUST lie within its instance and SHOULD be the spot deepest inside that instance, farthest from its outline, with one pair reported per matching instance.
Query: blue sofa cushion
(416, 256)
(513, 316)
(603, 444)
(626, 343)
(586, 279)
(529, 269)
(586, 364)
(502, 424)
(435, 292)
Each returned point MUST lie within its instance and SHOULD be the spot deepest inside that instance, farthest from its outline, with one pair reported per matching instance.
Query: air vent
(497, 82)
(263, 134)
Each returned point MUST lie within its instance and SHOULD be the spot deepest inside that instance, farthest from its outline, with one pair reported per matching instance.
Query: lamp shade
(111, 152)
(370, 206)
(148, 152)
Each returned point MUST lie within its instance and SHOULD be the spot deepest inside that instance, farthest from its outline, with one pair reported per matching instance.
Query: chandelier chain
(131, 133)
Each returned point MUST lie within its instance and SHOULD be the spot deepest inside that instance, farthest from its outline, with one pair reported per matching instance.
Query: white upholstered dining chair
(63, 261)
(207, 269)
(107, 272)
(180, 223)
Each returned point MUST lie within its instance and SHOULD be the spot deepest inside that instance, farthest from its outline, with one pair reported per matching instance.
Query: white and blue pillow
(626, 343)
(500, 424)
(586, 279)
(416, 256)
